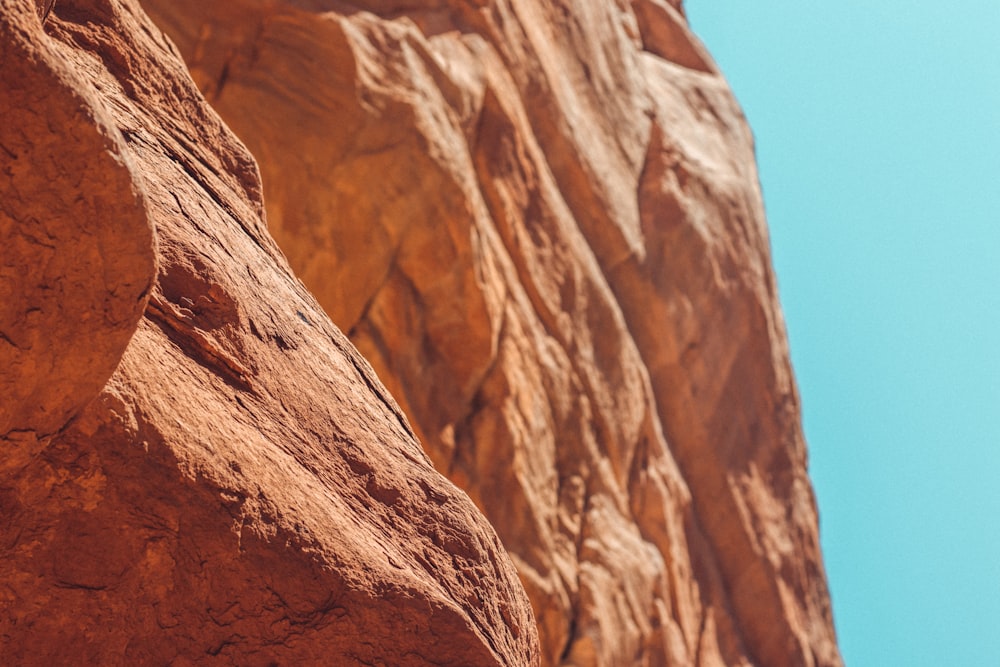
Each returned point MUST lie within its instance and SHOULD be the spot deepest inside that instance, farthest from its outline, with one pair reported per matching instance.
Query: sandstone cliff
(540, 221)
(197, 467)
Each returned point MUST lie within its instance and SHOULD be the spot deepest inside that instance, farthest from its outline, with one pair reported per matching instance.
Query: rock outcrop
(196, 466)
(540, 221)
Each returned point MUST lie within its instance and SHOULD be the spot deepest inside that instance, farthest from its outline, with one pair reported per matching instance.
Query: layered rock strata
(540, 221)
(196, 466)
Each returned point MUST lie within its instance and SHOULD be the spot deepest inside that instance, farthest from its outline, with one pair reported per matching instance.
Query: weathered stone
(78, 254)
(541, 222)
(197, 466)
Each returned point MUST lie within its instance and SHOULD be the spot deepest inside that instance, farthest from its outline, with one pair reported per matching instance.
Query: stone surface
(540, 221)
(197, 466)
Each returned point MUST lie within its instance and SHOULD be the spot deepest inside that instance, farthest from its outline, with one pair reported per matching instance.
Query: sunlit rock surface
(541, 223)
(196, 466)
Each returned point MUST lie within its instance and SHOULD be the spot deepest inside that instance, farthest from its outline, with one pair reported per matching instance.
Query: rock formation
(540, 221)
(197, 467)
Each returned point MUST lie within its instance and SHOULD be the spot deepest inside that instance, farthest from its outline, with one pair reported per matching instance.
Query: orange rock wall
(196, 466)
(540, 221)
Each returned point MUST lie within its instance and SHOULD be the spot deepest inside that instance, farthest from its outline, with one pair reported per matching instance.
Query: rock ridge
(541, 222)
(199, 468)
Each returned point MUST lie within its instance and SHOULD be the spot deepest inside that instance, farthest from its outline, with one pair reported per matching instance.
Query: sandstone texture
(540, 221)
(196, 466)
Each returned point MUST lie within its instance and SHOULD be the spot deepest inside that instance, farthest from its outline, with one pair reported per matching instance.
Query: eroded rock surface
(540, 221)
(197, 466)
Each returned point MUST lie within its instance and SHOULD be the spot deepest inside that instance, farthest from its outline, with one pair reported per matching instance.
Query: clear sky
(878, 139)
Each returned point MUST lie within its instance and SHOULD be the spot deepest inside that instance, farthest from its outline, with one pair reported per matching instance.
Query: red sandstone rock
(541, 222)
(197, 466)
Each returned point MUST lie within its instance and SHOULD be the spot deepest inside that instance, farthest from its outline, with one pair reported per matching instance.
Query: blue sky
(878, 140)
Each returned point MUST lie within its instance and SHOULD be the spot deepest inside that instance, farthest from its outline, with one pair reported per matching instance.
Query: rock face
(540, 221)
(197, 467)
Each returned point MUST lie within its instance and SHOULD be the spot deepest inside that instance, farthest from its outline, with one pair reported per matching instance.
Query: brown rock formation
(540, 220)
(197, 466)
